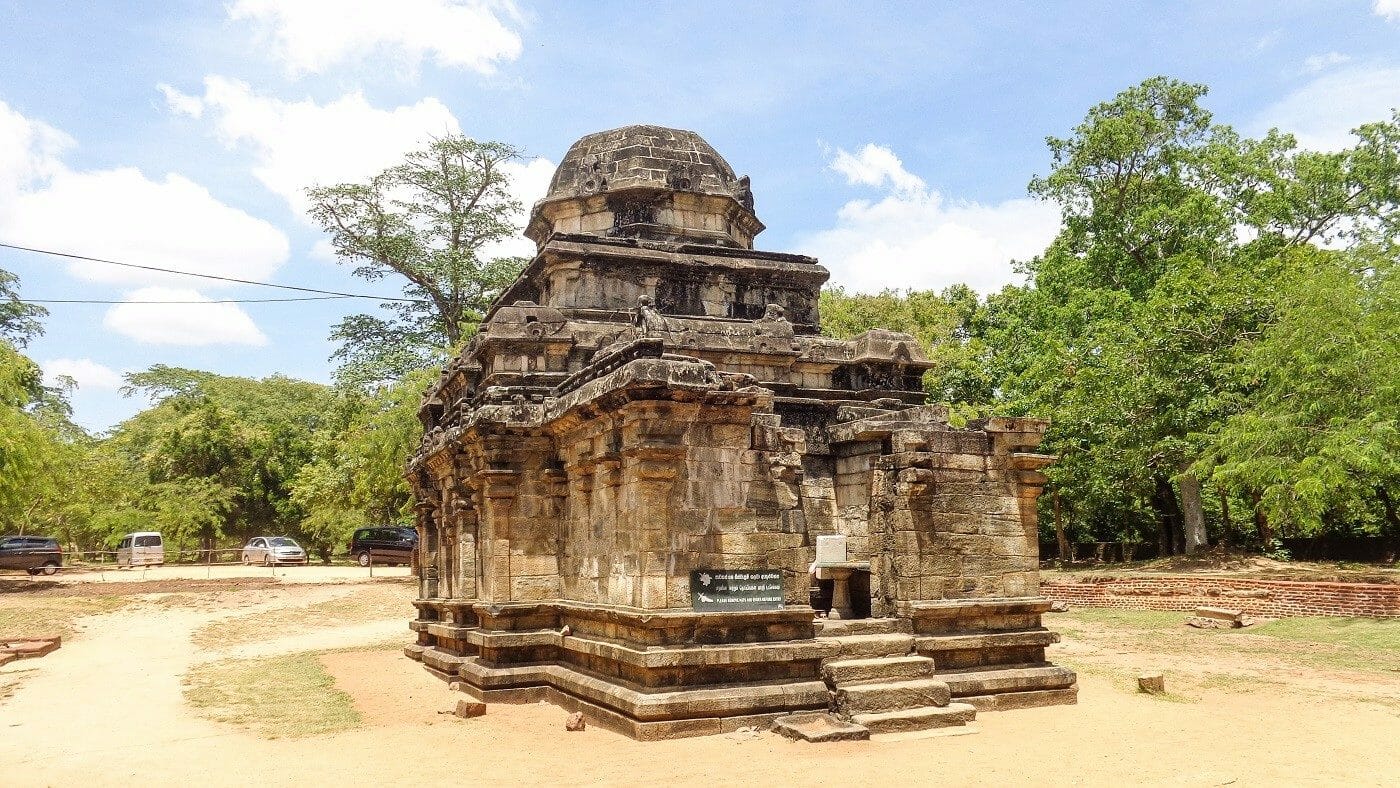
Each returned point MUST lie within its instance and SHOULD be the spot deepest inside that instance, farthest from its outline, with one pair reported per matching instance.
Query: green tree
(218, 453)
(1138, 315)
(1320, 437)
(431, 221)
(356, 477)
(27, 447)
(19, 321)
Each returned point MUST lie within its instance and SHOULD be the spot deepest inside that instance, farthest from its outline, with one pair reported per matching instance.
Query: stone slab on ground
(819, 727)
(1201, 622)
(31, 647)
(1232, 617)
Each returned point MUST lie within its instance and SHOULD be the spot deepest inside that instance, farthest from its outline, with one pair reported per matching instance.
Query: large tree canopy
(431, 221)
(1134, 330)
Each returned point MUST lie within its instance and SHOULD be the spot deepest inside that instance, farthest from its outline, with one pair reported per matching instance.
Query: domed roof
(642, 156)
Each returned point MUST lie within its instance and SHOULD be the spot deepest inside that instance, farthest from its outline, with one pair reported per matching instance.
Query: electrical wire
(201, 276)
(210, 301)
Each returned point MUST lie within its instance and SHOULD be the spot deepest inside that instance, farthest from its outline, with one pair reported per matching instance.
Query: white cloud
(1322, 113)
(311, 35)
(529, 181)
(1319, 63)
(30, 151)
(876, 165)
(296, 144)
(180, 103)
(189, 324)
(88, 373)
(916, 238)
(121, 214)
(1390, 9)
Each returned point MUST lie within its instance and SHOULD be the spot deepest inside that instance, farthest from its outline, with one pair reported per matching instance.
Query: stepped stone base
(644, 675)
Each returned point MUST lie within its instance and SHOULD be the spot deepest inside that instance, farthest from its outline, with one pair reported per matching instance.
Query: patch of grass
(368, 603)
(1128, 619)
(1361, 645)
(288, 696)
(36, 616)
(1369, 644)
(1377, 634)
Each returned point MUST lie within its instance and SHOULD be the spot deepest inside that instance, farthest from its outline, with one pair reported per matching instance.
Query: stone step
(1005, 701)
(1009, 679)
(862, 646)
(891, 696)
(848, 671)
(922, 718)
(985, 640)
(862, 626)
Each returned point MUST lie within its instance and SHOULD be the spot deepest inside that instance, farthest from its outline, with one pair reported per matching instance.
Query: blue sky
(893, 141)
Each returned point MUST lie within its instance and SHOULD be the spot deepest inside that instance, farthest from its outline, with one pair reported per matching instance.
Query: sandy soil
(107, 709)
(285, 574)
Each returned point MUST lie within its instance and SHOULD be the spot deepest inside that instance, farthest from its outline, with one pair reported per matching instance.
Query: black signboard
(717, 590)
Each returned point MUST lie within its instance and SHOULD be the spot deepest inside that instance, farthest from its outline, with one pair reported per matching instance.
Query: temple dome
(650, 181)
(652, 156)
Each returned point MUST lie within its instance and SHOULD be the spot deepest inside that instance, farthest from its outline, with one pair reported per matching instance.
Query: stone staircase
(878, 683)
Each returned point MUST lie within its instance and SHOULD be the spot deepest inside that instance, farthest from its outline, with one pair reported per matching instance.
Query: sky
(892, 140)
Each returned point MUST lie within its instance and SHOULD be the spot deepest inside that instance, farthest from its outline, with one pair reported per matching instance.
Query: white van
(143, 548)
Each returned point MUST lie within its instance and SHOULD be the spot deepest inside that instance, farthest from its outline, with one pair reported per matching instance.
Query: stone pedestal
(840, 576)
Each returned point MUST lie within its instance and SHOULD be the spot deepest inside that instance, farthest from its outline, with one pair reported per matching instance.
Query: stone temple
(632, 475)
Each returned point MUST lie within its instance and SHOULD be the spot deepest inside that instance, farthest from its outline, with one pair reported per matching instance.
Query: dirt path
(106, 709)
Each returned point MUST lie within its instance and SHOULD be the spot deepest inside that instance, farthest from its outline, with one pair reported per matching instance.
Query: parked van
(144, 548)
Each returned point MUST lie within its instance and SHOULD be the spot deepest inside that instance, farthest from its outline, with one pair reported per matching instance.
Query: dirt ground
(313, 573)
(115, 706)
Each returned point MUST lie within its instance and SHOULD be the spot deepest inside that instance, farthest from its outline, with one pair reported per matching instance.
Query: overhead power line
(209, 301)
(201, 276)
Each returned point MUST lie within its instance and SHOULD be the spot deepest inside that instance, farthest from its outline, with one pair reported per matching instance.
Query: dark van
(384, 544)
(34, 554)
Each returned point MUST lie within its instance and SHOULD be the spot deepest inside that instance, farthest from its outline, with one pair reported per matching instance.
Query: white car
(270, 550)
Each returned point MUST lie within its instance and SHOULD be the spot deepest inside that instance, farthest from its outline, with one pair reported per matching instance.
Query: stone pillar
(653, 455)
(427, 580)
(498, 488)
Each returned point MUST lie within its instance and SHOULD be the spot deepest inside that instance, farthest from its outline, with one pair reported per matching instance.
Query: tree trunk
(1168, 518)
(1261, 522)
(1194, 515)
(1224, 518)
(1061, 538)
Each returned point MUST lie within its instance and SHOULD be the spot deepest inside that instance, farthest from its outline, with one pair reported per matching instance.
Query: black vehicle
(34, 554)
(385, 544)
